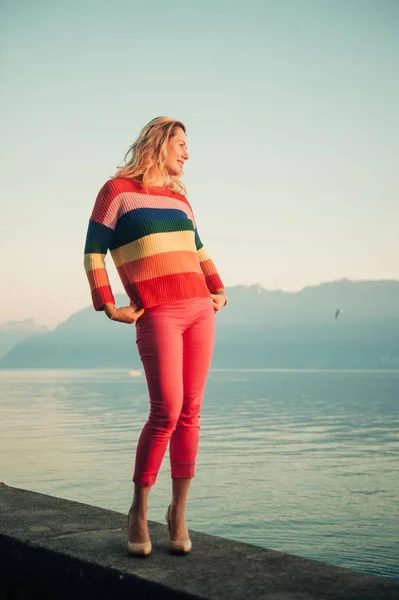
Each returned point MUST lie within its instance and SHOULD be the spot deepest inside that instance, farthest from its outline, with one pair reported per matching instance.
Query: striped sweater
(153, 240)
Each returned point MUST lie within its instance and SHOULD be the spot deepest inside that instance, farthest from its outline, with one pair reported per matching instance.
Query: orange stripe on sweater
(159, 265)
(208, 267)
(97, 278)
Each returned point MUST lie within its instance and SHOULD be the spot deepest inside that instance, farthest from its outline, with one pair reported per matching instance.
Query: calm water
(300, 461)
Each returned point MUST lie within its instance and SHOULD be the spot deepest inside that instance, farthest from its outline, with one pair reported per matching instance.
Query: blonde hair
(148, 153)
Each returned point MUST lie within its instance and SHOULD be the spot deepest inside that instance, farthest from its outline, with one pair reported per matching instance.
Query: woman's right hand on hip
(127, 314)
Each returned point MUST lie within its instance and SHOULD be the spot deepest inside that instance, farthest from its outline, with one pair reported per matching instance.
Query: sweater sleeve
(101, 228)
(212, 277)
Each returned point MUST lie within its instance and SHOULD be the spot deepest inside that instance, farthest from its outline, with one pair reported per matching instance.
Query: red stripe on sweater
(171, 288)
(101, 296)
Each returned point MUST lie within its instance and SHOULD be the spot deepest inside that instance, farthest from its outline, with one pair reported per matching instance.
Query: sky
(291, 110)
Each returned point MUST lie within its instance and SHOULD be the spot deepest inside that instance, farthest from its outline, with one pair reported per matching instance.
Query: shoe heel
(177, 547)
(138, 548)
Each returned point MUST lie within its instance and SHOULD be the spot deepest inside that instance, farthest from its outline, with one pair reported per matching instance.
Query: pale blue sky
(292, 116)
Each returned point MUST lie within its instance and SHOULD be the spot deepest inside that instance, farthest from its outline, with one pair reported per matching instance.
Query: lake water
(300, 461)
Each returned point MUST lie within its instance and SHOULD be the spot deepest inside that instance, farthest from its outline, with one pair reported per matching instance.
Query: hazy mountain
(13, 332)
(259, 328)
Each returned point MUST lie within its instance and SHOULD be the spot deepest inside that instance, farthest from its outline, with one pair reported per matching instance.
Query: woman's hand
(124, 314)
(218, 301)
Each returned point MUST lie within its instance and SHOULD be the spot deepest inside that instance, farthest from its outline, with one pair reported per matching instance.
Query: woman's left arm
(212, 278)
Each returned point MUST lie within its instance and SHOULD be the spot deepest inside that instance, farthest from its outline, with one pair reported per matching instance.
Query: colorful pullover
(153, 240)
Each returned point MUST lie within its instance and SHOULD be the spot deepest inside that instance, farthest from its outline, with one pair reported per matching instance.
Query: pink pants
(175, 343)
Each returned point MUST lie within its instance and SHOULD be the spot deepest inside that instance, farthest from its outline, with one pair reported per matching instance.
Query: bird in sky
(337, 312)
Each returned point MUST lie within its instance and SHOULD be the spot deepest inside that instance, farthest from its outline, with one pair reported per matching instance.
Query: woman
(143, 217)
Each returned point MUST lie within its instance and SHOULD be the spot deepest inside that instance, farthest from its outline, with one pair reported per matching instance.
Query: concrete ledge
(55, 549)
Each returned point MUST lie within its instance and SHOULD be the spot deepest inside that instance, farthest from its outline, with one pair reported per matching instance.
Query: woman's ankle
(138, 513)
(177, 509)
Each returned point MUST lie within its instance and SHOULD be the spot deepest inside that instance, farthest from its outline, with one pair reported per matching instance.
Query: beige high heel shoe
(138, 548)
(177, 546)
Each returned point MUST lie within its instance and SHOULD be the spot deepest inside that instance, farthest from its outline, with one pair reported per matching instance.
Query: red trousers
(175, 343)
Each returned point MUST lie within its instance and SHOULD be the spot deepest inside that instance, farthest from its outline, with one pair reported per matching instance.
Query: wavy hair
(147, 157)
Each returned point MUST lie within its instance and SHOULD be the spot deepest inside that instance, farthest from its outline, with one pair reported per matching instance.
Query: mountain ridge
(266, 328)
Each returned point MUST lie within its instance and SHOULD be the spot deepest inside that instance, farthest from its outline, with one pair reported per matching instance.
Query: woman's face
(176, 152)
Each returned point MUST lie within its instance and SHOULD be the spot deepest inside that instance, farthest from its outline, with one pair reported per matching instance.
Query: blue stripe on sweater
(198, 242)
(140, 222)
(138, 215)
(98, 238)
